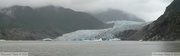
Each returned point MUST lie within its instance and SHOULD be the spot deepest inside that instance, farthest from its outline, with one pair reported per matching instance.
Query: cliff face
(125, 34)
(26, 23)
(165, 28)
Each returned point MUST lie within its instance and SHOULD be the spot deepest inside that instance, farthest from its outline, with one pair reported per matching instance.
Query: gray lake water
(104, 48)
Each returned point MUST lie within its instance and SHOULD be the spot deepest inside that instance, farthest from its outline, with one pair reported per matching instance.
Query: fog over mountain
(116, 15)
(40, 19)
(148, 10)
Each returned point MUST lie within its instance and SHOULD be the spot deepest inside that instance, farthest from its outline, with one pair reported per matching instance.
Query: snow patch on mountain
(8, 12)
(119, 26)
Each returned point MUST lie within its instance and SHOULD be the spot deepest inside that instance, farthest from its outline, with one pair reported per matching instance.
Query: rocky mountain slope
(165, 28)
(26, 23)
(113, 15)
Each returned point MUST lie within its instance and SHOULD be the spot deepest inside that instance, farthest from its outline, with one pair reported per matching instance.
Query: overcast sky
(148, 10)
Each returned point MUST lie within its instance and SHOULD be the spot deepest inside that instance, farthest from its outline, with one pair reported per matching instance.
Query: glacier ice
(108, 33)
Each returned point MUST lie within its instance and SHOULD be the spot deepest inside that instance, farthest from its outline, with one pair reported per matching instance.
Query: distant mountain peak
(115, 10)
(114, 14)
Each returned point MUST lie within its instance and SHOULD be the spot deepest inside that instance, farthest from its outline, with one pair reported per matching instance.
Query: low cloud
(148, 10)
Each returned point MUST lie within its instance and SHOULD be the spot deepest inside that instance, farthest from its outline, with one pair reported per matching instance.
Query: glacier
(105, 34)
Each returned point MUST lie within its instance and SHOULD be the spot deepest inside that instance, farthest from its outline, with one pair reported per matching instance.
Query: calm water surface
(104, 48)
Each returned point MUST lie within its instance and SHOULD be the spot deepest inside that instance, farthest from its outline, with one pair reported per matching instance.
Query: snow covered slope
(119, 26)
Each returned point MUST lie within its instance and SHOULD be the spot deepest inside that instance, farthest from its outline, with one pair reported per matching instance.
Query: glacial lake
(81, 48)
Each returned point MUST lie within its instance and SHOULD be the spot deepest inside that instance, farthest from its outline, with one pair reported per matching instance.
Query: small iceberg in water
(2, 40)
(47, 39)
(115, 39)
(98, 39)
(140, 40)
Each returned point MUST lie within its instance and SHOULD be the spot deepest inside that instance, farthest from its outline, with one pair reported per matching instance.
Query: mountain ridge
(26, 23)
